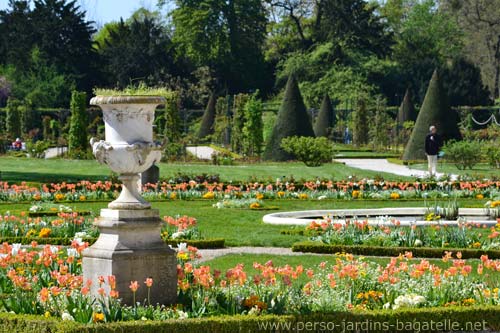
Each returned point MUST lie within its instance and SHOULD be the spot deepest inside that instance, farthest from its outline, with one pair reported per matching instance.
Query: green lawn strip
(16, 170)
(240, 227)
(481, 170)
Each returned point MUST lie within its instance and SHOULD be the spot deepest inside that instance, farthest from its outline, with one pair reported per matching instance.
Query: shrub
(292, 120)
(253, 127)
(360, 120)
(312, 151)
(78, 140)
(464, 154)
(13, 119)
(37, 149)
(207, 122)
(436, 111)
(326, 118)
(423, 252)
(492, 153)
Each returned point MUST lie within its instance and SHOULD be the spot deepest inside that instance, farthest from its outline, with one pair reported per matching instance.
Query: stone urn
(128, 148)
(129, 245)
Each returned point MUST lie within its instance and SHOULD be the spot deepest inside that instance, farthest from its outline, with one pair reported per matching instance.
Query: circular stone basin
(376, 216)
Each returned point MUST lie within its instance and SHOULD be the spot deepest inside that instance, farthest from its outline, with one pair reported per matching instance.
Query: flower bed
(48, 282)
(357, 233)
(318, 190)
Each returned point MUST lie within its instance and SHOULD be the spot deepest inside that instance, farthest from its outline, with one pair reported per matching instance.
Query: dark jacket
(433, 143)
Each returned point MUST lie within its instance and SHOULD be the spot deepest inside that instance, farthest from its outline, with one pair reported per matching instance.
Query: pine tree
(326, 118)
(13, 119)
(292, 120)
(361, 129)
(435, 111)
(77, 139)
(407, 109)
(207, 122)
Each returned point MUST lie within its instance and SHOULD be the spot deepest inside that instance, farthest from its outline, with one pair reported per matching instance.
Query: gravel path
(382, 165)
(207, 255)
(202, 152)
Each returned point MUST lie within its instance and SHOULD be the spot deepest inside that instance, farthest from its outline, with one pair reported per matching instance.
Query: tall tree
(292, 120)
(435, 111)
(228, 36)
(480, 19)
(137, 49)
(64, 37)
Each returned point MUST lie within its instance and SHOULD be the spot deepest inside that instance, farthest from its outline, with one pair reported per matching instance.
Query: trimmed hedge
(425, 252)
(403, 320)
(211, 243)
(44, 240)
(49, 213)
(215, 243)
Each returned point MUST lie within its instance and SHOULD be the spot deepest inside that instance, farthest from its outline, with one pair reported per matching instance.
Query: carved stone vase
(129, 246)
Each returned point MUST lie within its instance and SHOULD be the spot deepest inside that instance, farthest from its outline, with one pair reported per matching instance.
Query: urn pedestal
(129, 245)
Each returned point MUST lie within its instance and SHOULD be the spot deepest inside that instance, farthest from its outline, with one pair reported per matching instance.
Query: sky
(103, 11)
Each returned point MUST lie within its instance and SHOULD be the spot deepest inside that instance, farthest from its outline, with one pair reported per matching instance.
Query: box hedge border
(213, 243)
(460, 316)
(424, 252)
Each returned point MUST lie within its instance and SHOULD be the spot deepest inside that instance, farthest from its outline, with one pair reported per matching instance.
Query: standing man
(433, 143)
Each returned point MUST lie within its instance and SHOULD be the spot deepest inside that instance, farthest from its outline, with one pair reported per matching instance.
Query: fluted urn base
(130, 248)
(129, 198)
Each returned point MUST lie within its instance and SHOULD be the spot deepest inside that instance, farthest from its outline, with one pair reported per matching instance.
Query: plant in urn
(129, 245)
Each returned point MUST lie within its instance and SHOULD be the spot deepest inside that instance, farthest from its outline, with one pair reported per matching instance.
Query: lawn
(479, 171)
(58, 170)
(244, 227)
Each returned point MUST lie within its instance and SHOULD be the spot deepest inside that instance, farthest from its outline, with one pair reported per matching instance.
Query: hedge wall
(424, 252)
(485, 318)
(215, 243)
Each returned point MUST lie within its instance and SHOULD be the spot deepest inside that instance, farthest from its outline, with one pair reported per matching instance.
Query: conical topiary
(326, 118)
(292, 120)
(207, 122)
(435, 111)
(406, 109)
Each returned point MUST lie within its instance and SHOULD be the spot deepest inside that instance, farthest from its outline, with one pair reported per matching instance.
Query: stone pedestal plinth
(130, 248)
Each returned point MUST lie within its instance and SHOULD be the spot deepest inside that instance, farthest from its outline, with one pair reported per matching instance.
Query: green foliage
(434, 111)
(253, 136)
(37, 149)
(406, 110)
(141, 89)
(13, 119)
(382, 127)
(172, 129)
(239, 119)
(292, 120)
(78, 140)
(460, 316)
(227, 36)
(138, 48)
(464, 154)
(361, 128)
(326, 119)
(211, 243)
(207, 122)
(312, 151)
(389, 251)
(492, 153)
(222, 120)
